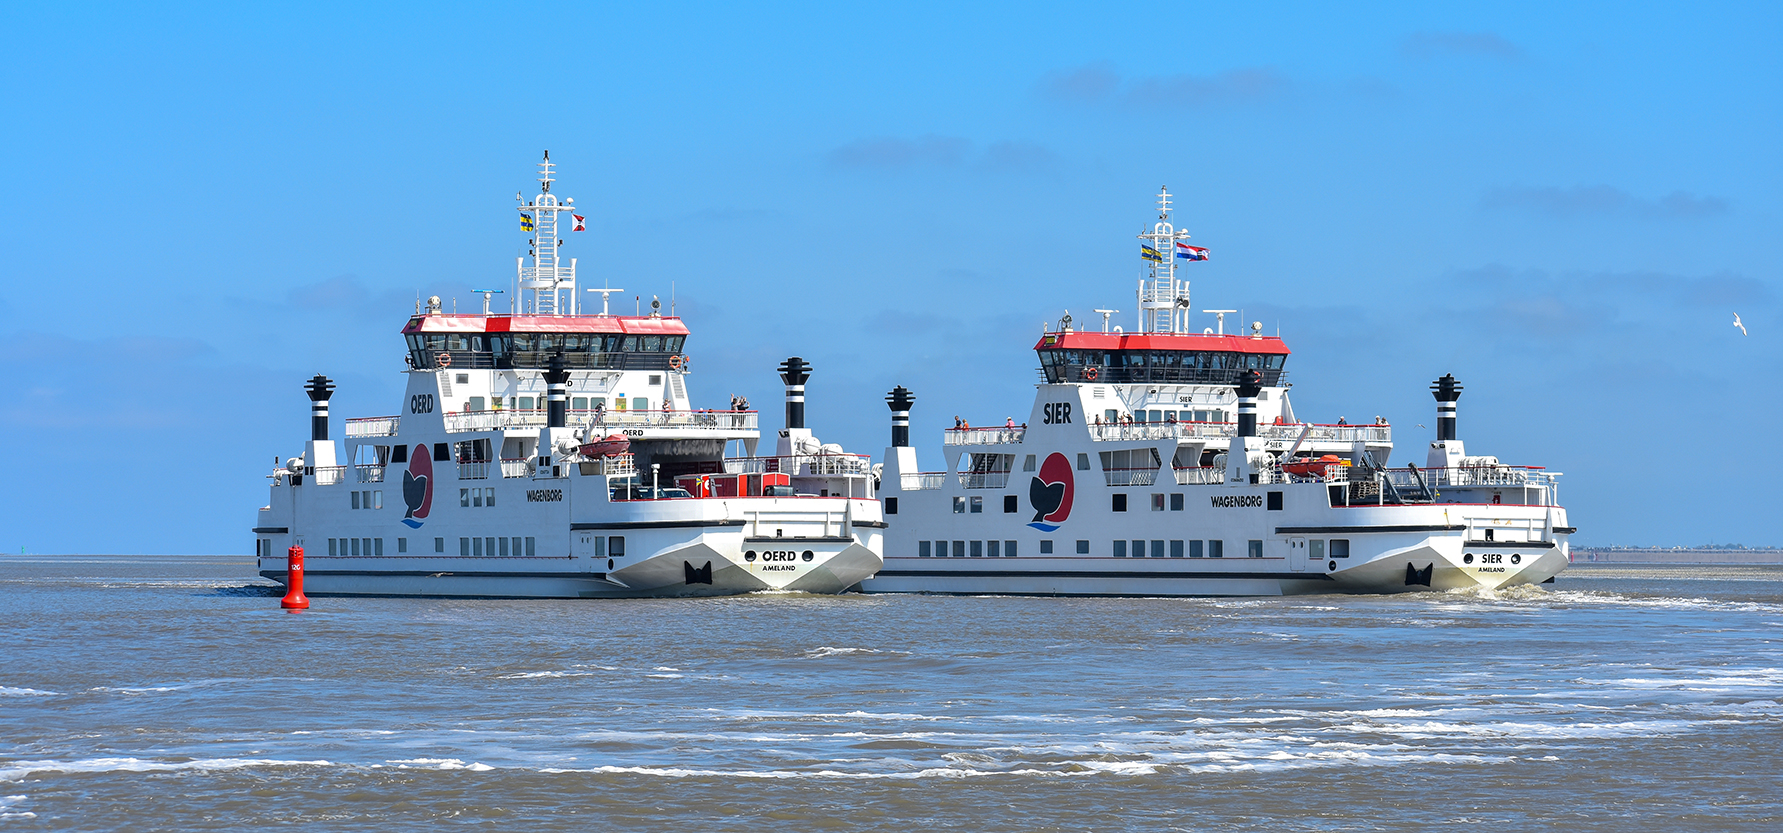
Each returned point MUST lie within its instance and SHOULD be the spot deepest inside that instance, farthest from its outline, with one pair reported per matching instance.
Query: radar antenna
(1163, 300)
(547, 277)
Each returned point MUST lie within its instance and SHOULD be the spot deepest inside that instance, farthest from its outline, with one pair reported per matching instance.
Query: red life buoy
(443, 360)
(675, 362)
(1091, 373)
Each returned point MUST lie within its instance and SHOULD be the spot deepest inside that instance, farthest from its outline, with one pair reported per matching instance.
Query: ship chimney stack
(1446, 392)
(319, 389)
(1250, 383)
(556, 393)
(900, 401)
(794, 372)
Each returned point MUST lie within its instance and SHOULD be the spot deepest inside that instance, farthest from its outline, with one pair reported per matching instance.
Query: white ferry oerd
(1166, 462)
(551, 453)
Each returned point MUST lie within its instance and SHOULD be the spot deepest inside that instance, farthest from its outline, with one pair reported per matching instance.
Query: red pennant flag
(580, 226)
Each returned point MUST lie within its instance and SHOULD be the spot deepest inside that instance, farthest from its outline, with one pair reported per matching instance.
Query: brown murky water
(171, 693)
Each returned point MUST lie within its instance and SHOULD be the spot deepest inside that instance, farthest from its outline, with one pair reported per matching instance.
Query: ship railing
(984, 479)
(1371, 433)
(1200, 476)
(815, 465)
(384, 426)
(983, 436)
(494, 420)
(330, 475)
(515, 467)
(918, 481)
(694, 419)
(617, 465)
(1375, 432)
(1131, 476)
(473, 470)
(370, 474)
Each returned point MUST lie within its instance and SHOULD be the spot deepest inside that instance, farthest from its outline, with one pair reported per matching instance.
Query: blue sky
(1562, 204)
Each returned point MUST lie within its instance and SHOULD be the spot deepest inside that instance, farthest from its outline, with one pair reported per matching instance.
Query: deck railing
(330, 475)
(983, 436)
(814, 465)
(473, 470)
(696, 421)
(384, 426)
(1371, 433)
(984, 479)
(917, 481)
(370, 474)
(1131, 477)
(1200, 476)
(515, 467)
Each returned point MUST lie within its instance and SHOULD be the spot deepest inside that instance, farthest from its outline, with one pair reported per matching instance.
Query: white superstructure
(550, 453)
(1169, 462)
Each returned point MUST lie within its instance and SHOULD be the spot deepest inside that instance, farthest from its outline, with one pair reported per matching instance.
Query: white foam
(441, 763)
(827, 651)
(663, 676)
(18, 770)
(6, 805)
(9, 691)
(531, 675)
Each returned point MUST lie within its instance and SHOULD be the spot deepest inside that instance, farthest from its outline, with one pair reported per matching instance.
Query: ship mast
(547, 277)
(1161, 296)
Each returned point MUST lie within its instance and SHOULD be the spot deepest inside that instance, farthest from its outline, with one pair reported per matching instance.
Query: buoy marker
(294, 599)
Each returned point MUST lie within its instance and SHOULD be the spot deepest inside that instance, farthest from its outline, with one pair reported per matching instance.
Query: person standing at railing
(667, 409)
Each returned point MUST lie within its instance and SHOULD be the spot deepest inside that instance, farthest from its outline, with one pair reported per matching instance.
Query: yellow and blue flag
(1150, 254)
(526, 222)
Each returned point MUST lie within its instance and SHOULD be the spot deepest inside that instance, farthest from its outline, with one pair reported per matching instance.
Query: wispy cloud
(1602, 200)
(1099, 83)
(890, 153)
(1426, 45)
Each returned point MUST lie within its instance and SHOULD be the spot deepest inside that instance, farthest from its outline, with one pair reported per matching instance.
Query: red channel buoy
(294, 598)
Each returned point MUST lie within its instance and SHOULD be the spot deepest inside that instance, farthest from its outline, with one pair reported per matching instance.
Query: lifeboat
(613, 445)
(1309, 467)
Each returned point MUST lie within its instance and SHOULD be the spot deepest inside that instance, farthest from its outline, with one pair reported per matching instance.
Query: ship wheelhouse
(1159, 358)
(525, 342)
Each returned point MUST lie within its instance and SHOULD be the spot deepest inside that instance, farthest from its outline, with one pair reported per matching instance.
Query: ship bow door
(1297, 554)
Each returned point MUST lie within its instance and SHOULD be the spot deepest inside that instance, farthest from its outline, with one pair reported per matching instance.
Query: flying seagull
(1736, 323)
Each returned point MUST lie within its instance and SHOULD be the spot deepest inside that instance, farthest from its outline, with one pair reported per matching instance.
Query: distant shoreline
(1663, 555)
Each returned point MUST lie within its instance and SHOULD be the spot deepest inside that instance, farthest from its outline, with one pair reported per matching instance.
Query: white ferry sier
(1166, 462)
(552, 453)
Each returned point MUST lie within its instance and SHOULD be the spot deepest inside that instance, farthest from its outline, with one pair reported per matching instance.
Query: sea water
(159, 693)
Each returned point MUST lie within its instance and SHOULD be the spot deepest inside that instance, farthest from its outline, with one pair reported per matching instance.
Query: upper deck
(502, 342)
(1159, 358)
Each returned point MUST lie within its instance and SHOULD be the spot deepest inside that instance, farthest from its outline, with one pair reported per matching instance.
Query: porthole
(749, 556)
(1516, 558)
(1333, 566)
(1467, 559)
(808, 555)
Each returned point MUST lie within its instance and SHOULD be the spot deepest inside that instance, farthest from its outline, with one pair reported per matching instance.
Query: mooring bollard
(294, 598)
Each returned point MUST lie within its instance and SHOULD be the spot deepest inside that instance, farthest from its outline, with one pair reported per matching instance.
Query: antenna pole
(547, 277)
(1160, 294)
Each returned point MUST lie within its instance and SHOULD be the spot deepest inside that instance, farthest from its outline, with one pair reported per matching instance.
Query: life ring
(443, 360)
(676, 362)
(1091, 373)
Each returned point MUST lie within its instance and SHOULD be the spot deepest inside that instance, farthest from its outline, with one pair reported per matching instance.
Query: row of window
(576, 403)
(1136, 548)
(974, 504)
(1190, 359)
(962, 549)
(502, 344)
(497, 547)
(371, 499)
(476, 497)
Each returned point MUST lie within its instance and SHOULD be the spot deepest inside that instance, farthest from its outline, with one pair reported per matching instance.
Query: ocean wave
(7, 802)
(18, 770)
(440, 763)
(9, 691)
(1540, 731)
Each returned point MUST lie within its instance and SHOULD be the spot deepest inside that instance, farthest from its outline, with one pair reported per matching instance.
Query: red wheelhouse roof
(477, 323)
(1269, 345)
